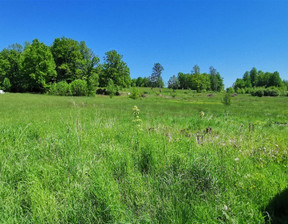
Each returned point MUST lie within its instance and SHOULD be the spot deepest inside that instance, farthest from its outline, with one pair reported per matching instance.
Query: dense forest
(69, 67)
(260, 83)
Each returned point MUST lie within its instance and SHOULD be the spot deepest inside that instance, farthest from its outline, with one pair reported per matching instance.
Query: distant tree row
(259, 83)
(259, 78)
(155, 80)
(194, 80)
(197, 81)
(36, 67)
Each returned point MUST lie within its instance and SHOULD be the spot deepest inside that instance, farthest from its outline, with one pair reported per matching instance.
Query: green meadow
(183, 158)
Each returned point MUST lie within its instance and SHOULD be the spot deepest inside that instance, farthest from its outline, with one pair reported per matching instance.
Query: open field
(84, 159)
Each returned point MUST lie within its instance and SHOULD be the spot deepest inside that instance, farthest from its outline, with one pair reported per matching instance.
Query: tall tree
(200, 82)
(215, 80)
(67, 55)
(37, 67)
(196, 69)
(185, 81)
(275, 80)
(116, 69)
(254, 76)
(247, 79)
(155, 78)
(73, 60)
(173, 82)
(10, 67)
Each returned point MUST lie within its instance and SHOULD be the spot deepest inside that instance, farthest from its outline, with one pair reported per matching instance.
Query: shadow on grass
(277, 210)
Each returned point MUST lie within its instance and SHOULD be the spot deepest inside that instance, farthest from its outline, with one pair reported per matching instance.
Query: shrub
(63, 89)
(271, 92)
(258, 92)
(92, 84)
(6, 84)
(226, 100)
(79, 87)
(248, 90)
(240, 91)
(111, 88)
(135, 93)
(52, 90)
(230, 90)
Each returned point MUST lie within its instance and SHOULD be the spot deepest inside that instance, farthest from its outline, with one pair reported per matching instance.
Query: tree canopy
(156, 78)
(114, 68)
(197, 81)
(37, 67)
(259, 78)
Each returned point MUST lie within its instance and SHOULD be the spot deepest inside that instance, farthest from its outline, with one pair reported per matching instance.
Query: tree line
(260, 83)
(194, 80)
(37, 67)
(69, 67)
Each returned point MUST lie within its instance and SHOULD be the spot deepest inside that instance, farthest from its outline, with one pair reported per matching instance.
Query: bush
(226, 100)
(135, 94)
(111, 88)
(258, 92)
(93, 82)
(63, 89)
(79, 87)
(230, 90)
(240, 91)
(248, 90)
(271, 92)
(6, 84)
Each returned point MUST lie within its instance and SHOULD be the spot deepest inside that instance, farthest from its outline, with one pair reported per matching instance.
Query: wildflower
(236, 159)
(137, 120)
(202, 114)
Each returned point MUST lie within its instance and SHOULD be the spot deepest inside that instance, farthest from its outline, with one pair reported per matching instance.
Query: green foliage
(271, 92)
(6, 84)
(10, 67)
(61, 89)
(79, 87)
(173, 82)
(226, 100)
(73, 60)
(240, 91)
(201, 82)
(37, 67)
(230, 90)
(216, 80)
(114, 68)
(256, 78)
(141, 82)
(111, 88)
(135, 93)
(93, 82)
(156, 78)
(258, 92)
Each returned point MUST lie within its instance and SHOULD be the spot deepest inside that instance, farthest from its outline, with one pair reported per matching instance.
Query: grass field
(86, 159)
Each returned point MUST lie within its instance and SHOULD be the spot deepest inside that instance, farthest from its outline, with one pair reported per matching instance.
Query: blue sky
(233, 36)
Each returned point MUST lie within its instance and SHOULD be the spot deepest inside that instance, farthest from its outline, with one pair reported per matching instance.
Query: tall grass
(84, 160)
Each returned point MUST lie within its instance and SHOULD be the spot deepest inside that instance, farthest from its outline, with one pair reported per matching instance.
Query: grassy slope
(83, 160)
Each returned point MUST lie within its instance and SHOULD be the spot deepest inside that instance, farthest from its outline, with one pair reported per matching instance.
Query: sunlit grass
(84, 160)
